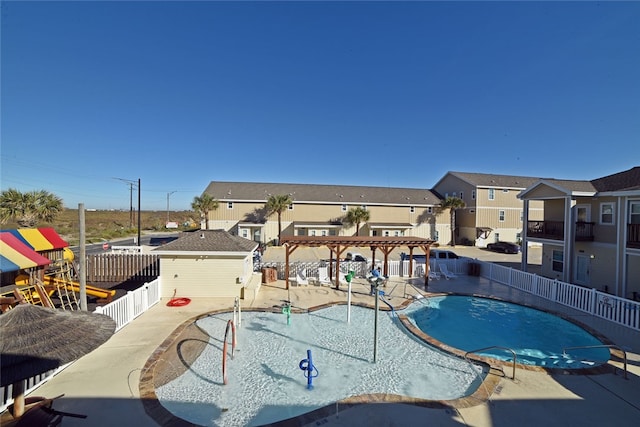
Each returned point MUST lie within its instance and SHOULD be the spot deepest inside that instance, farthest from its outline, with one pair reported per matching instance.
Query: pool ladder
(624, 353)
(513, 375)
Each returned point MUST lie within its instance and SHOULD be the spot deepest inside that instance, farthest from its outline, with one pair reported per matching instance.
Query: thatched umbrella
(37, 339)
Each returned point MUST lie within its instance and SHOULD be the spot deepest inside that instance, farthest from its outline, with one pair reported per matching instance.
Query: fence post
(592, 301)
(130, 309)
(145, 296)
(554, 292)
(510, 276)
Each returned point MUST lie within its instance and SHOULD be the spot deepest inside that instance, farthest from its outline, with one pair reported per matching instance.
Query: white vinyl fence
(615, 309)
(123, 311)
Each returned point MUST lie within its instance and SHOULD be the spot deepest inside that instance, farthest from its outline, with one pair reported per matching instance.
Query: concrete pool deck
(105, 383)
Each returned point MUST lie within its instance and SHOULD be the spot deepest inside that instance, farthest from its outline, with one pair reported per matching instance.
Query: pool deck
(105, 383)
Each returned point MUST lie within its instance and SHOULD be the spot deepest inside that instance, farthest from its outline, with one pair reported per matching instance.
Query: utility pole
(139, 243)
(131, 184)
(168, 195)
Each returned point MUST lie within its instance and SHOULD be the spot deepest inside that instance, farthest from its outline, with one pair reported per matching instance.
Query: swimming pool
(538, 338)
(266, 384)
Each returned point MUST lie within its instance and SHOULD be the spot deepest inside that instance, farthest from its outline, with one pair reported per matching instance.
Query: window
(430, 210)
(436, 235)
(455, 194)
(473, 194)
(461, 194)
(386, 234)
(245, 234)
(364, 207)
(634, 213)
(518, 237)
(324, 232)
(396, 233)
(229, 205)
(606, 213)
(492, 194)
(313, 232)
(412, 209)
(344, 208)
(290, 207)
(505, 190)
(501, 215)
(521, 216)
(496, 237)
(558, 261)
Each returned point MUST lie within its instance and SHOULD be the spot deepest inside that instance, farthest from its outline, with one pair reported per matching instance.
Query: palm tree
(355, 216)
(204, 204)
(453, 204)
(277, 203)
(29, 208)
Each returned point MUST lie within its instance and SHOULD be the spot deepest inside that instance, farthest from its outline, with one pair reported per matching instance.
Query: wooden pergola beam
(338, 244)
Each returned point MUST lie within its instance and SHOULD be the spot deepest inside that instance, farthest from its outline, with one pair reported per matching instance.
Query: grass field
(107, 224)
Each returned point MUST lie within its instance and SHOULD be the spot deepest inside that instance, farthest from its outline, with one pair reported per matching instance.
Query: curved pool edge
(605, 368)
(187, 341)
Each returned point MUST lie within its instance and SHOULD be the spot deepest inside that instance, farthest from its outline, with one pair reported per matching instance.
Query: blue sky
(391, 94)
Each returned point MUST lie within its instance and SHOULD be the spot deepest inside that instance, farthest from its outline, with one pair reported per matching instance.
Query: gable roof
(208, 241)
(316, 193)
(493, 180)
(621, 181)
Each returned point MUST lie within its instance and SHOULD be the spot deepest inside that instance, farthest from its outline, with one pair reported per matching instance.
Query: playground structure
(40, 264)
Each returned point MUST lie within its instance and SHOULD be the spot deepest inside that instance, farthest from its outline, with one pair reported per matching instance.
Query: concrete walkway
(104, 383)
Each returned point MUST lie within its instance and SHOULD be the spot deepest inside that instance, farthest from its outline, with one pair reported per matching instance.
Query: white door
(582, 270)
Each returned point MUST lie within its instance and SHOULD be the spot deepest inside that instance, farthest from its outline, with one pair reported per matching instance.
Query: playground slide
(75, 287)
(23, 280)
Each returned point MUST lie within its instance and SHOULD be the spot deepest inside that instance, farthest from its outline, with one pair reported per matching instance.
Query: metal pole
(168, 194)
(130, 205)
(139, 243)
(83, 259)
(375, 328)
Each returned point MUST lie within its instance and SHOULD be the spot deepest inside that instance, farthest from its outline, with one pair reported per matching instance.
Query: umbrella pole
(18, 399)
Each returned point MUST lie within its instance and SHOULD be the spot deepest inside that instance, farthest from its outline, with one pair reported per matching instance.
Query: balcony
(584, 231)
(633, 236)
(554, 230)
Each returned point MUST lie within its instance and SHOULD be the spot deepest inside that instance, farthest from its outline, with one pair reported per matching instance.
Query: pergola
(338, 244)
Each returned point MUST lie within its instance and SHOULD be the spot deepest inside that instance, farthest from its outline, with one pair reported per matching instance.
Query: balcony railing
(633, 236)
(584, 231)
(546, 230)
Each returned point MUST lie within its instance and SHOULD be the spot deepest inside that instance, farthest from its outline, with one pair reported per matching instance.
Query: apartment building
(320, 210)
(493, 210)
(590, 231)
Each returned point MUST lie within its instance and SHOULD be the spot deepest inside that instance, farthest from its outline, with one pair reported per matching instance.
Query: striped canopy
(18, 248)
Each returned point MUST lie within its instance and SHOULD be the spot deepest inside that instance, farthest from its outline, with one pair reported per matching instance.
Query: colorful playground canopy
(19, 248)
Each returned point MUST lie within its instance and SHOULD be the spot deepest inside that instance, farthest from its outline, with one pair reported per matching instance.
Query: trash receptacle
(474, 269)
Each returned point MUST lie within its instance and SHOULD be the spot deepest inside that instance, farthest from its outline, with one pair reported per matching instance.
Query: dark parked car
(506, 247)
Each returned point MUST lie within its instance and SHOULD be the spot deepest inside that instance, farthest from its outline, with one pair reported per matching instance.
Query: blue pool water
(267, 385)
(538, 338)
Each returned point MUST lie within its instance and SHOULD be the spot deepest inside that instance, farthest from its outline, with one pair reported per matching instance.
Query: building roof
(628, 180)
(621, 181)
(316, 193)
(494, 180)
(208, 241)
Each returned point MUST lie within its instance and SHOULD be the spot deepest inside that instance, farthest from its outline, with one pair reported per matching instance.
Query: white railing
(610, 307)
(123, 311)
(133, 304)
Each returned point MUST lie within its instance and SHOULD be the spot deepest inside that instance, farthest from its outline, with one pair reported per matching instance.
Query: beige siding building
(493, 211)
(590, 231)
(320, 210)
(206, 263)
